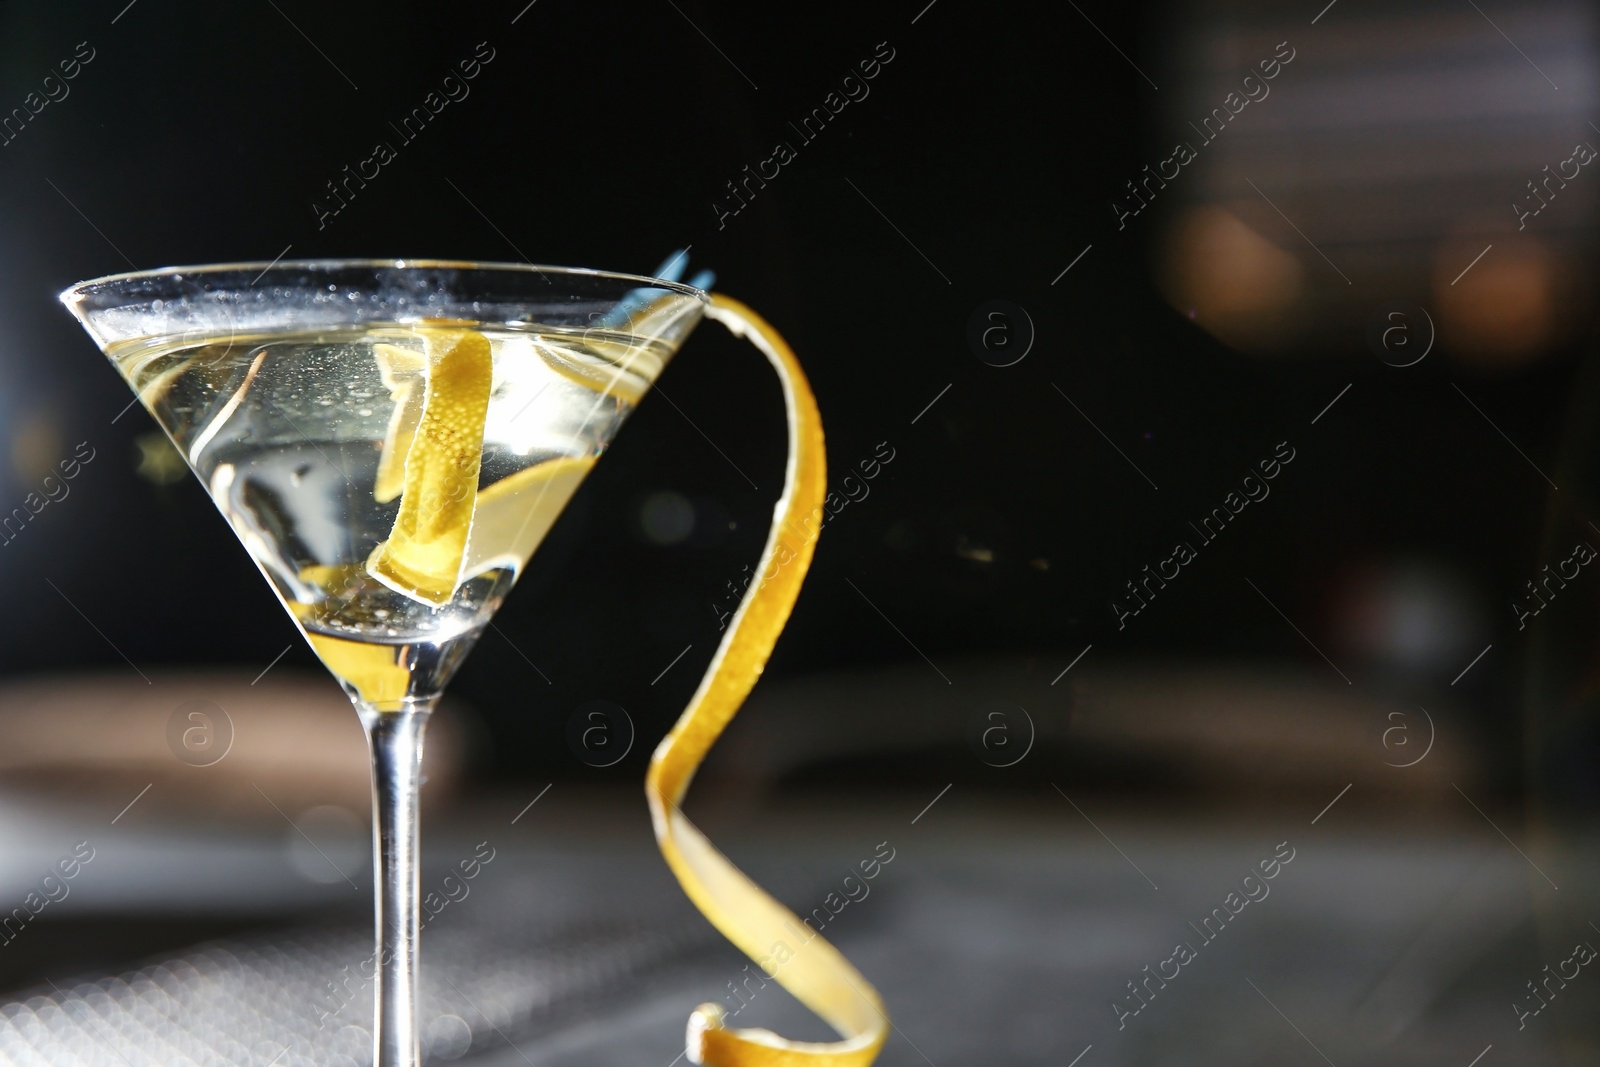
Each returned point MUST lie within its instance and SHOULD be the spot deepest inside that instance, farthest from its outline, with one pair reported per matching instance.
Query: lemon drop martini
(390, 480)
(391, 440)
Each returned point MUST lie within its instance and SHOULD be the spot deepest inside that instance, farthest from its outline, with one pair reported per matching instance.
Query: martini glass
(390, 441)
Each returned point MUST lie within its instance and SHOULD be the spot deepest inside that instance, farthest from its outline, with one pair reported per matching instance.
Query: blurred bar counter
(1014, 914)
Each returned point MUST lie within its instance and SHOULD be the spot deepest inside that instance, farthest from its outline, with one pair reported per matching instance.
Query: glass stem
(394, 734)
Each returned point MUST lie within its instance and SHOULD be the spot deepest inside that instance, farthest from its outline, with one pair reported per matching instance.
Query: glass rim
(79, 289)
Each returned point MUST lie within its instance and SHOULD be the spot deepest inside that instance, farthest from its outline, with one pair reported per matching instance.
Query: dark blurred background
(1375, 257)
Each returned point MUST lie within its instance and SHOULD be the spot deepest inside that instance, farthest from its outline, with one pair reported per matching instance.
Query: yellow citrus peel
(603, 365)
(374, 670)
(807, 966)
(402, 372)
(513, 515)
(423, 554)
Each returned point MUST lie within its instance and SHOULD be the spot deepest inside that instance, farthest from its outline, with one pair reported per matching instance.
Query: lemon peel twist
(813, 971)
(423, 555)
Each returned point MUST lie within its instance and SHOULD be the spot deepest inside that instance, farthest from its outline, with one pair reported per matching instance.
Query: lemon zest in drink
(423, 554)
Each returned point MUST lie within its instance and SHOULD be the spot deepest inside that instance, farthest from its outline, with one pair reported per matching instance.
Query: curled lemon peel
(423, 554)
(809, 968)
